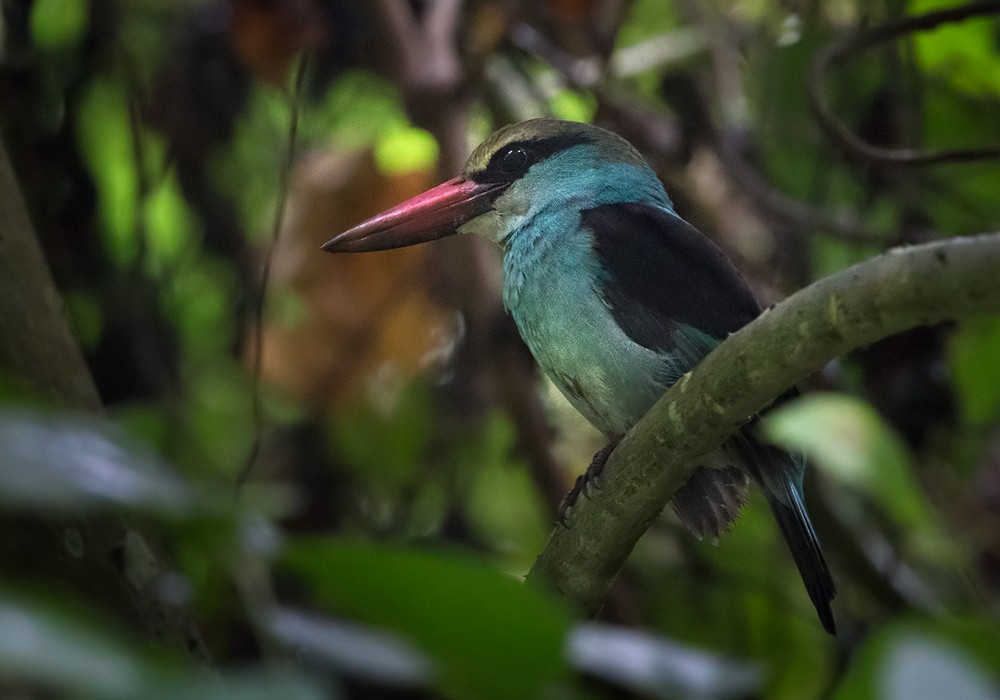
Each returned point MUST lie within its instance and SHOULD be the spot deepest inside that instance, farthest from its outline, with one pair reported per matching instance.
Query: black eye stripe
(510, 162)
(501, 166)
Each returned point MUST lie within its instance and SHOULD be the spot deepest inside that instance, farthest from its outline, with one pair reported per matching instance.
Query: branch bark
(37, 347)
(901, 289)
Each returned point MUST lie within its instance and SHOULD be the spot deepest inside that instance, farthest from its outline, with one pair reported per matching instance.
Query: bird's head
(515, 174)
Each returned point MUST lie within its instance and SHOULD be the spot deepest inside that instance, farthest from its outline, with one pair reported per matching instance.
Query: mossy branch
(900, 289)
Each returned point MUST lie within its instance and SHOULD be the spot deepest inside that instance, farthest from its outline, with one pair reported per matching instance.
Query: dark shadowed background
(249, 469)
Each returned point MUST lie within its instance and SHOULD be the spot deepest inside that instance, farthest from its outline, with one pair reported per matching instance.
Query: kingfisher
(616, 296)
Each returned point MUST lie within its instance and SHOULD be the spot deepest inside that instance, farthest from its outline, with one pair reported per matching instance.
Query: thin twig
(401, 24)
(774, 203)
(256, 398)
(442, 21)
(856, 41)
(783, 207)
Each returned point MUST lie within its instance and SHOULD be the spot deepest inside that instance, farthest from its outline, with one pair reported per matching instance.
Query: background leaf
(923, 660)
(59, 462)
(847, 438)
(491, 636)
(656, 666)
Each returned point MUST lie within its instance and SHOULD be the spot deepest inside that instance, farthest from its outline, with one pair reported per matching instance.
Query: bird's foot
(591, 478)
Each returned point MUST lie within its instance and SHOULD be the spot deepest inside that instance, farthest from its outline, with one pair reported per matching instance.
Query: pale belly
(605, 375)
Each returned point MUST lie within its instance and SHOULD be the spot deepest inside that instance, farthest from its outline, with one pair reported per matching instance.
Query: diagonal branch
(900, 289)
(865, 38)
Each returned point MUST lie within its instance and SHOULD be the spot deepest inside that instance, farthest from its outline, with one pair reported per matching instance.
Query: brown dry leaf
(359, 313)
(267, 35)
(571, 11)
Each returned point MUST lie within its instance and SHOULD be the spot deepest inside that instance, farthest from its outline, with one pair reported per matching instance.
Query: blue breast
(552, 287)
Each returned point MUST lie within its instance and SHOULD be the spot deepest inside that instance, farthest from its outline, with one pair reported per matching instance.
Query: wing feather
(668, 286)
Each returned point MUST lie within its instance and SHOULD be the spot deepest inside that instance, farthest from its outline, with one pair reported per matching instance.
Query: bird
(616, 296)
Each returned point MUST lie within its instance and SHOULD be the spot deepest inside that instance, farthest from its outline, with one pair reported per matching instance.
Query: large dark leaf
(924, 660)
(491, 636)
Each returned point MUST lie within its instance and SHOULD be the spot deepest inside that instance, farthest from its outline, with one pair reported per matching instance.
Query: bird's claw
(569, 500)
(591, 478)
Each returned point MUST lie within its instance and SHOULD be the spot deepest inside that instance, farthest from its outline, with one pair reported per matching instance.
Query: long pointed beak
(436, 213)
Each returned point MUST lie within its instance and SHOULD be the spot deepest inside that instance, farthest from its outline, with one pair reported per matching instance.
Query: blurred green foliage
(58, 24)
(491, 636)
(910, 659)
(975, 355)
(143, 131)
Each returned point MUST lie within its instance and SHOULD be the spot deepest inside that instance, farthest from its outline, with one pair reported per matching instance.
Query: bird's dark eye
(513, 160)
(508, 163)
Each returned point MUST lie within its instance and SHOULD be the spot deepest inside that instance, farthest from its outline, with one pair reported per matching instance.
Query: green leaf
(404, 149)
(57, 24)
(105, 138)
(386, 439)
(170, 223)
(199, 302)
(975, 358)
(926, 660)
(846, 437)
(59, 462)
(218, 421)
(573, 105)
(503, 503)
(357, 110)
(491, 636)
(645, 19)
(963, 53)
(844, 433)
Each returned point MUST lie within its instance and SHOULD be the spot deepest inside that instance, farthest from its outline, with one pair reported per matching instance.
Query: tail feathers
(712, 497)
(710, 500)
(790, 512)
(779, 474)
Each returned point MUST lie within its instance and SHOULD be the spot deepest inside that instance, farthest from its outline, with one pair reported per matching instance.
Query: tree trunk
(103, 558)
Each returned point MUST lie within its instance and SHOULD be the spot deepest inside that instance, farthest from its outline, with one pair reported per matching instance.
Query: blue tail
(780, 475)
(804, 546)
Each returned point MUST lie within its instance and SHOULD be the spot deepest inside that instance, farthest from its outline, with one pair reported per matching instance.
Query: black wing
(670, 288)
(663, 274)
